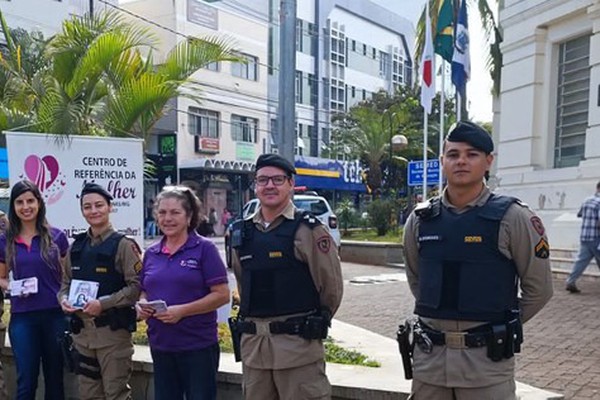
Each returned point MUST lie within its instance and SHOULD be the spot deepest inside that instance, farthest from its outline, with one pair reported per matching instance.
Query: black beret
(274, 160)
(475, 135)
(95, 188)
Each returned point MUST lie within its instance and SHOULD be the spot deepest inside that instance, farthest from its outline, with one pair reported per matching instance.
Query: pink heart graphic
(41, 171)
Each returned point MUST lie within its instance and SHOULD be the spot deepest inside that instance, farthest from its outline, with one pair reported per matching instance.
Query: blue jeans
(191, 373)
(33, 336)
(587, 251)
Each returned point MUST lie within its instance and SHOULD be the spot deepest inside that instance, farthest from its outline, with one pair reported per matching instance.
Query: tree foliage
(364, 133)
(97, 77)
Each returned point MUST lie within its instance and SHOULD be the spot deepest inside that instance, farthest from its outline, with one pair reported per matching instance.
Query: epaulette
(429, 209)
(132, 239)
(309, 219)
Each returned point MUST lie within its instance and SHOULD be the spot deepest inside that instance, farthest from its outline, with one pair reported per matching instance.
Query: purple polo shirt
(181, 278)
(29, 263)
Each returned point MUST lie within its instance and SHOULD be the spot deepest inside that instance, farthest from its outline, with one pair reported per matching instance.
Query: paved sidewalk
(561, 352)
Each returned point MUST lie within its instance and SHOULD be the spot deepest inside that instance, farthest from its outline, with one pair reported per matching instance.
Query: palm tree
(491, 29)
(101, 79)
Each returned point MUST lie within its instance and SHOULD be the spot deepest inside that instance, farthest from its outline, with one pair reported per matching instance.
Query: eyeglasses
(278, 180)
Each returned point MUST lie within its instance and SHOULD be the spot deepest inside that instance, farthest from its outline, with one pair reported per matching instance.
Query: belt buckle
(455, 340)
(263, 328)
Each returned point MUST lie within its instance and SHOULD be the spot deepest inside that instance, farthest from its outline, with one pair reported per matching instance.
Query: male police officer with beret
(290, 285)
(467, 254)
(102, 329)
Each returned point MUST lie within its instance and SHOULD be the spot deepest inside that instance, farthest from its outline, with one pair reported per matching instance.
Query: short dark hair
(598, 185)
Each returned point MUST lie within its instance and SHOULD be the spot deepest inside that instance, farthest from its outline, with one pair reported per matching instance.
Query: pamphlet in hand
(22, 287)
(154, 306)
(82, 291)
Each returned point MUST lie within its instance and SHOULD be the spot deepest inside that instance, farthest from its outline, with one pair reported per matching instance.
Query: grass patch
(333, 352)
(339, 355)
(370, 235)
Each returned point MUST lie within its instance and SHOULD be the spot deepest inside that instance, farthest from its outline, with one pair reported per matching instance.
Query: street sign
(415, 173)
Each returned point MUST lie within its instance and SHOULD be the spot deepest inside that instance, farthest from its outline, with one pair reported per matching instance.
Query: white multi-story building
(346, 50)
(218, 138)
(47, 16)
(548, 118)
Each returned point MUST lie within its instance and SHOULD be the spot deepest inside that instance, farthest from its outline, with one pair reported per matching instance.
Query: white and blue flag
(461, 59)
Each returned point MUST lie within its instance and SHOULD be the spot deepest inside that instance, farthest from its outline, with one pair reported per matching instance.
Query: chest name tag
(473, 239)
(244, 258)
(275, 254)
(190, 263)
(101, 270)
(430, 238)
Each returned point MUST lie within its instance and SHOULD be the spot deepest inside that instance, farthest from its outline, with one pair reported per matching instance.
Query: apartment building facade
(547, 119)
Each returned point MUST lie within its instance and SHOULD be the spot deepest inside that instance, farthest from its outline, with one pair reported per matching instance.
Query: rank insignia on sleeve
(538, 225)
(137, 266)
(542, 249)
(324, 244)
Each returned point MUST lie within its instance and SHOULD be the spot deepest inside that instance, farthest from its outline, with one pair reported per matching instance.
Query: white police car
(309, 201)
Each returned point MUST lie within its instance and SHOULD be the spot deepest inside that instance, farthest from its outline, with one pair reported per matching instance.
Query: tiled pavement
(561, 352)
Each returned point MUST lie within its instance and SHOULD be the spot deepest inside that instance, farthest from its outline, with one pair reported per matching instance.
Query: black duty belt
(291, 326)
(102, 320)
(457, 340)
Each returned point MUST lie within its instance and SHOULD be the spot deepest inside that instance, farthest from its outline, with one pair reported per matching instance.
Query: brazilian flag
(444, 36)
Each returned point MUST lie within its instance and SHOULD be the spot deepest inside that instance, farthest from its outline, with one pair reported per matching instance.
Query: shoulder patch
(324, 244)
(134, 245)
(538, 226)
(542, 249)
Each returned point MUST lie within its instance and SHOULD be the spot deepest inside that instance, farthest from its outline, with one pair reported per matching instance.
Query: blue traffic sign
(415, 173)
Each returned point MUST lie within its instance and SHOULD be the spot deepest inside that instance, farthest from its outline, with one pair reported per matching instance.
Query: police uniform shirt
(316, 248)
(127, 262)
(522, 239)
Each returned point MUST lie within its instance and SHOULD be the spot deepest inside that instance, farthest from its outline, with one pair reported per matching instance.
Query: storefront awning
(217, 165)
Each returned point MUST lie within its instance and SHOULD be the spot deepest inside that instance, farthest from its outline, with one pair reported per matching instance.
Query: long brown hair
(47, 247)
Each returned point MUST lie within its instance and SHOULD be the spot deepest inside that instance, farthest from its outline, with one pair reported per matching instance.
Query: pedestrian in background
(31, 248)
(468, 253)
(102, 330)
(186, 271)
(589, 239)
(290, 284)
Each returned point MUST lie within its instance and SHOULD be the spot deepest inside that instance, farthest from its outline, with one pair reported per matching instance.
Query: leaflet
(20, 287)
(154, 306)
(82, 291)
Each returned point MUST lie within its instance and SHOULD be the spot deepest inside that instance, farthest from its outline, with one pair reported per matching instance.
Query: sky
(480, 84)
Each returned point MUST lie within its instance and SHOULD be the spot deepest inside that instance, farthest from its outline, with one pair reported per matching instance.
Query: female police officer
(102, 329)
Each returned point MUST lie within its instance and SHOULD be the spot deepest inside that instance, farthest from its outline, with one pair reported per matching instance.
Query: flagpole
(425, 134)
(442, 110)
(458, 106)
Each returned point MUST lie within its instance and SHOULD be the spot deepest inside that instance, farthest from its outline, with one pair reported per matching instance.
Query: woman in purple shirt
(186, 271)
(31, 248)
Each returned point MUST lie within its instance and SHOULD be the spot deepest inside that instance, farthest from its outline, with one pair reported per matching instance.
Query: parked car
(309, 201)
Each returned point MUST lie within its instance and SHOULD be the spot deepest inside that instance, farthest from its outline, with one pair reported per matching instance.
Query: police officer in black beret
(290, 285)
(101, 329)
(478, 266)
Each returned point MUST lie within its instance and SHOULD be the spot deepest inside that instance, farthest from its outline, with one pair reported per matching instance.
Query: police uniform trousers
(299, 383)
(501, 391)
(113, 350)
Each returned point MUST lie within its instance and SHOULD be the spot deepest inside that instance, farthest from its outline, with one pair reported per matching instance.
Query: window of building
(247, 70)
(312, 85)
(337, 95)
(213, 66)
(364, 49)
(354, 45)
(202, 122)
(397, 67)
(298, 85)
(244, 129)
(572, 101)
(384, 64)
(299, 34)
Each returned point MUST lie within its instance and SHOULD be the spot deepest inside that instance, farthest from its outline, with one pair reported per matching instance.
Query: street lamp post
(397, 143)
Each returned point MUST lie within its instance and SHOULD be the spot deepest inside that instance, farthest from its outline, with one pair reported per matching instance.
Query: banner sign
(322, 173)
(60, 166)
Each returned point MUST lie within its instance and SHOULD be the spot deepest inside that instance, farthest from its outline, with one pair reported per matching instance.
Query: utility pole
(286, 110)
(91, 8)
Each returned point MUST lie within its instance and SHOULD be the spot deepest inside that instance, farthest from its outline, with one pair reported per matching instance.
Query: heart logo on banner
(41, 171)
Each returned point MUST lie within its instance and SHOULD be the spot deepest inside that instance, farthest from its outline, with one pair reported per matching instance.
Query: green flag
(444, 35)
